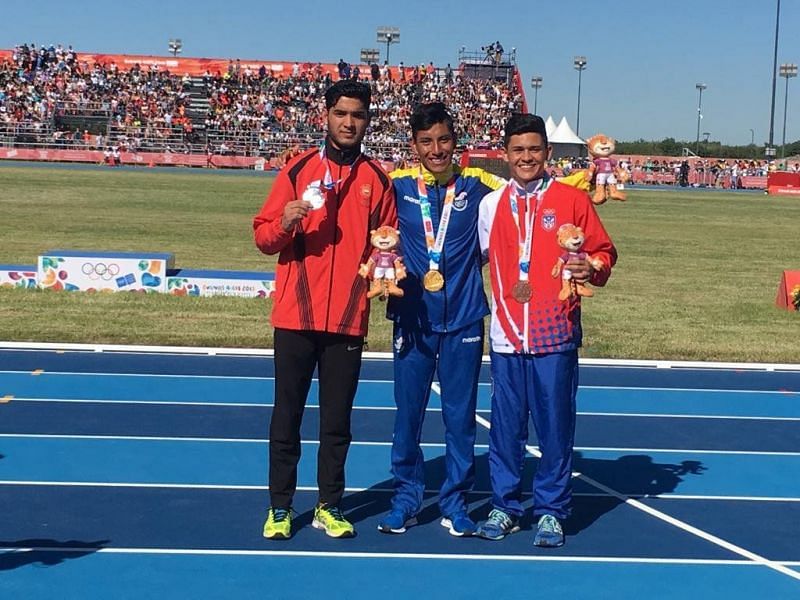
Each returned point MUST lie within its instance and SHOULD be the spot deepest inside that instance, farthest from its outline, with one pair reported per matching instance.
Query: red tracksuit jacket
(317, 283)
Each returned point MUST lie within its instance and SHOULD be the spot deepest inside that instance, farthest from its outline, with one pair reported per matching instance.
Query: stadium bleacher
(59, 104)
(55, 98)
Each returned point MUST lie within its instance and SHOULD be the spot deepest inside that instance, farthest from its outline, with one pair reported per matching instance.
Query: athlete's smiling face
(527, 155)
(435, 147)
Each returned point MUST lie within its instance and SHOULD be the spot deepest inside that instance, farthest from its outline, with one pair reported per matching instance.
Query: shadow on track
(635, 476)
(46, 552)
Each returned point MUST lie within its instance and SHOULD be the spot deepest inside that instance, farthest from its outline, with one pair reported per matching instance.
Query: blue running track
(143, 475)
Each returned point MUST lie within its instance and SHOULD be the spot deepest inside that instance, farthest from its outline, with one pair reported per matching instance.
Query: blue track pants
(543, 386)
(456, 357)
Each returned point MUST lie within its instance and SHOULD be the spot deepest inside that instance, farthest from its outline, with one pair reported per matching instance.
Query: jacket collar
(532, 186)
(341, 156)
(441, 179)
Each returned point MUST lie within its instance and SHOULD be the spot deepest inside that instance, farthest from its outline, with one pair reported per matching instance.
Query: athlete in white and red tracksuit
(535, 341)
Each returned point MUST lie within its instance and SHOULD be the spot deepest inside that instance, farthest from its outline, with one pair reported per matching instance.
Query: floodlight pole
(580, 64)
(536, 83)
(770, 148)
(175, 46)
(388, 36)
(788, 70)
(700, 87)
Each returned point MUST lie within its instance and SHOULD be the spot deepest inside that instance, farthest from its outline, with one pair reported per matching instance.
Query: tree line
(672, 147)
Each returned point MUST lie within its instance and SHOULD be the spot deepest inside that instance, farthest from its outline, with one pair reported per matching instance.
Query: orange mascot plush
(608, 177)
(570, 238)
(385, 265)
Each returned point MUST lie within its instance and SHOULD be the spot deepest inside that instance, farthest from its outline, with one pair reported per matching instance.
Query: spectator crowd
(53, 97)
(50, 97)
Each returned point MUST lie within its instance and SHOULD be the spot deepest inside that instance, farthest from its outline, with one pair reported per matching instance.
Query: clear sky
(644, 58)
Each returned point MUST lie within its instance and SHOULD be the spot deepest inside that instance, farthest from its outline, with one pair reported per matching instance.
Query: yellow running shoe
(332, 522)
(278, 525)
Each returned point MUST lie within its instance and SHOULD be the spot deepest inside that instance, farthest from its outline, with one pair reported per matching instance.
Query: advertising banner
(88, 271)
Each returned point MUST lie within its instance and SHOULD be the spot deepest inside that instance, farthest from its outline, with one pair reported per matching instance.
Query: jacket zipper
(440, 205)
(333, 253)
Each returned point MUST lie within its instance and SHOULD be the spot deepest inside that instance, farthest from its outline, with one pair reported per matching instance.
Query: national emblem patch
(549, 219)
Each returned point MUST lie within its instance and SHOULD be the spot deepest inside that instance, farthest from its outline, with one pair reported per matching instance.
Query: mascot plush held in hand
(571, 238)
(607, 176)
(385, 265)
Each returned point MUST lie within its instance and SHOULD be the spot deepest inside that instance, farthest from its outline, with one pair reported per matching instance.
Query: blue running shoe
(549, 533)
(498, 525)
(459, 524)
(396, 521)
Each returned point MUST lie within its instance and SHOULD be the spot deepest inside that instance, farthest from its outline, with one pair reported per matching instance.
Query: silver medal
(314, 196)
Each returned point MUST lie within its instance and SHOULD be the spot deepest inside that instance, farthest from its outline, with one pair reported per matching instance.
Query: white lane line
(393, 555)
(164, 376)
(390, 381)
(718, 541)
(684, 450)
(713, 498)
(684, 416)
(355, 490)
(689, 390)
(187, 403)
(17, 400)
(382, 356)
(156, 438)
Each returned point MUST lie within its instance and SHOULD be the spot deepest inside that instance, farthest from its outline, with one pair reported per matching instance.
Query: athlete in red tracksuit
(318, 217)
(535, 336)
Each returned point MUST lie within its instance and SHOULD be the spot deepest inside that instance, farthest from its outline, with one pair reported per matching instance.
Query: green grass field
(696, 279)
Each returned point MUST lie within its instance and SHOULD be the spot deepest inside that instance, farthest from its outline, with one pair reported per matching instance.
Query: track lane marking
(390, 555)
(391, 408)
(718, 541)
(378, 490)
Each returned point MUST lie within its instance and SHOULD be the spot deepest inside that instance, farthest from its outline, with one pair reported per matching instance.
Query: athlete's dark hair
(349, 89)
(427, 115)
(520, 123)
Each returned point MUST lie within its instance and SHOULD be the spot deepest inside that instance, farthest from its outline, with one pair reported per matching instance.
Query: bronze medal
(522, 292)
(433, 281)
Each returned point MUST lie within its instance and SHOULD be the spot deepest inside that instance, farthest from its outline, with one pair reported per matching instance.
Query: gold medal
(522, 292)
(433, 281)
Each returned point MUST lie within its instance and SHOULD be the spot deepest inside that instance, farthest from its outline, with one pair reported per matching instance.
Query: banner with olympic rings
(89, 271)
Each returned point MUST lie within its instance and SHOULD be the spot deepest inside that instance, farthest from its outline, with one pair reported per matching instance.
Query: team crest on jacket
(549, 219)
(460, 201)
(366, 190)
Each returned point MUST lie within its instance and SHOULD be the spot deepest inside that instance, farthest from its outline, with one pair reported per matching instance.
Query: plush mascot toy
(571, 238)
(385, 265)
(604, 169)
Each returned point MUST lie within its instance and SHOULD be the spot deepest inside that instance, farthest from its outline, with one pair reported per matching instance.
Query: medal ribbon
(327, 181)
(435, 244)
(525, 245)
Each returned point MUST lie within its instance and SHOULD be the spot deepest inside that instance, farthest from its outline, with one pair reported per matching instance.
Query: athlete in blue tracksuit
(438, 323)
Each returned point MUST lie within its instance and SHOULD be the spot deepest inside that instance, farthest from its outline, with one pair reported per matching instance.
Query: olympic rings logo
(100, 271)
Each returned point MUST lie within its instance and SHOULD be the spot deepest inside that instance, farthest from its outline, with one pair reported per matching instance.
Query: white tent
(549, 126)
(565, 142)
(564, 134)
